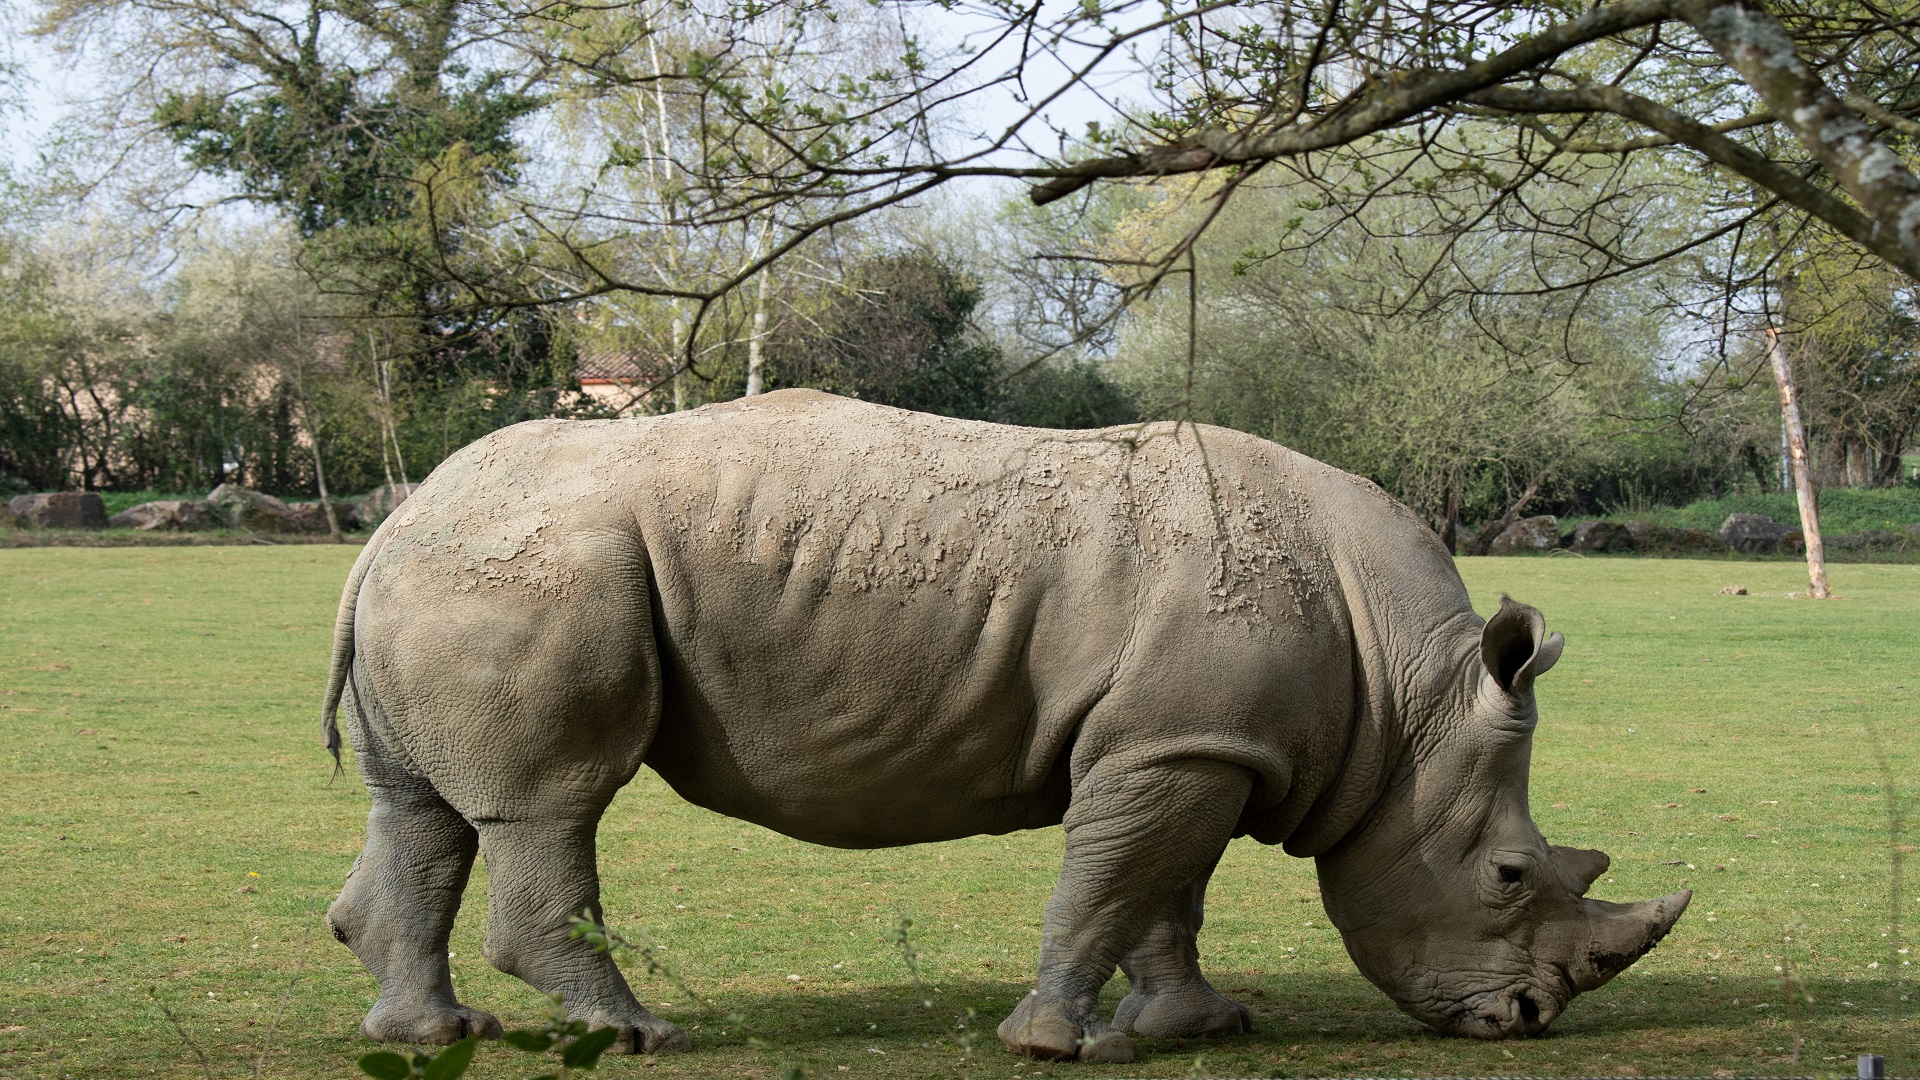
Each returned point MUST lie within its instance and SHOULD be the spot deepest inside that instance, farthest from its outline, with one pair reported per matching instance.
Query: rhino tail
(343, 646)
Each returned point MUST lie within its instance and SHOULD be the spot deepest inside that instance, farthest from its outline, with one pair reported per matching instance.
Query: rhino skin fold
(865, 627)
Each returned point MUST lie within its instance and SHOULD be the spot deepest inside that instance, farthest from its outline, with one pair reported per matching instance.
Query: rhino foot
(1188, 1013)
(1046, 1031)
(644, 1034)
(427, 1024)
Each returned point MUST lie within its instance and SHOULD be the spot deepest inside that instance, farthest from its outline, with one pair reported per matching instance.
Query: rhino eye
(1511, 874)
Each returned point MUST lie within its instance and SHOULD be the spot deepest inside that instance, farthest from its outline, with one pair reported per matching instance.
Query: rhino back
(878, 627)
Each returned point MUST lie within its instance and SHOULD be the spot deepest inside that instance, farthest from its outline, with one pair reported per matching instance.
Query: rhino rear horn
(1515, 646)
(1580, 867)
(1622, 933)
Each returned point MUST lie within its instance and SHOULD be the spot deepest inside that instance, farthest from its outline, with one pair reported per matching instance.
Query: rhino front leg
(1171, 998)
(397, 908)
(1135, 837)
(540, 874)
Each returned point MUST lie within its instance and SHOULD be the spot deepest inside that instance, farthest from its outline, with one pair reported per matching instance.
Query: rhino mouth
(1522, 1008)
(1515, 1012)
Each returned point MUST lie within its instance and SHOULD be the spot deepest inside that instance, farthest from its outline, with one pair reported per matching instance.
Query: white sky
(48, 82)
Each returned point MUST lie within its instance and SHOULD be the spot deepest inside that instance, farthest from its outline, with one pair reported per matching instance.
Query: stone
(169, 515)
(244, 508)
(1690, 541)
(382, 501)
(1601, 536)
(1870, 540)
(1527, 535)
(1753, 534)
(9, 519)
(309, 517)
(61, 510)
(1734, 590)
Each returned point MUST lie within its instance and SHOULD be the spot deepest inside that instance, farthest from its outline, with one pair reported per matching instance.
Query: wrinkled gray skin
(864, 627)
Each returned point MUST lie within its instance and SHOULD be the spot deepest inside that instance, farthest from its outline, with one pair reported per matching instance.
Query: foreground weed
(900, 934)
(1798, 999)
(603, 939)
(572, 1045)
(180, 1030)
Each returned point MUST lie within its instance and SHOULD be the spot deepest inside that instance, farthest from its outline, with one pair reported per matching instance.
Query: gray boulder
(310, 517)
(244, 508)
(1527, 535)
(1870, 540)
(1650, 537)
(1601, 536)
(1753, 534)
(61, 510)
(380, 502)
(168, 515)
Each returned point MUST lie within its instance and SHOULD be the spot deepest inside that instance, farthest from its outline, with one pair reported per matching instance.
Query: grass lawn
(169, 836)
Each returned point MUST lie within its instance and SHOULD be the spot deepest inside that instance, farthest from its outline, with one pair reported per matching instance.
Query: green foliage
(572, 1045)
(1842, 510)
(448, 1064)
(899, 334)
(1456, 405)
(1074, 393)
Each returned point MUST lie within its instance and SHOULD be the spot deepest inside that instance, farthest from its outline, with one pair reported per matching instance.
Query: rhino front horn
(1622, 933)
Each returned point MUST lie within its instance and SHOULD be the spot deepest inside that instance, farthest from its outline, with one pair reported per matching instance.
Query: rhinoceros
(864, 627)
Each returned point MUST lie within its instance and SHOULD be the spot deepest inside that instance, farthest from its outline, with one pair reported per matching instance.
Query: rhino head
(1447, 896)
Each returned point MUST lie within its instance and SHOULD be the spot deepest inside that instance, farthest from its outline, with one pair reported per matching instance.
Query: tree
(899, 334)
(1467, 410)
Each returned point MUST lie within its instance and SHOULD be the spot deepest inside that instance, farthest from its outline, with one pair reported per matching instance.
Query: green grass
(161, 748)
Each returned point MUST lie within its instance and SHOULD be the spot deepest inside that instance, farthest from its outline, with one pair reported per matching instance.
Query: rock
(1601, 536)
(9, 519)
(244, 508)
(310, 517)
(171, 515)
(1528, 534)
(1869, 540)
(1753, 534)
(1734, 590)
(382, 501)
(1690, 541)
(61, 510)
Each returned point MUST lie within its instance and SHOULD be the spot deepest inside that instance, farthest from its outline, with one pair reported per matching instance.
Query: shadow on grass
(1327, 1017)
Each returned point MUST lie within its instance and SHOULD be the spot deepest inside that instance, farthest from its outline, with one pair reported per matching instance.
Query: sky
(48, 82)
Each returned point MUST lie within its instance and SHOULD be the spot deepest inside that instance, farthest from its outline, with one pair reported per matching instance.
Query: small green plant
(603, 939)
(572, 1044)
(420, 1065)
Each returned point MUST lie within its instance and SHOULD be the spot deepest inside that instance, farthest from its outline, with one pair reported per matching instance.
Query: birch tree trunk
(1802, 477)
(320, 478)
(755, 347)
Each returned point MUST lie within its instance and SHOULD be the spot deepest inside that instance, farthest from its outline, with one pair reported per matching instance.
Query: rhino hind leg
(540, 874)
(1170, 997)
(397, 909)
(1135, 838)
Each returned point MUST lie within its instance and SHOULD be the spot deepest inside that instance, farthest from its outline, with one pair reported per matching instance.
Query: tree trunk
(1482, 541)
(320, 478)
(1450, 532)
(1888, 472)
(1802, 478)
(755, 349)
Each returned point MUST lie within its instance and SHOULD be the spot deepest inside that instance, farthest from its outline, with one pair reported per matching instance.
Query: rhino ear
(1580, 867)
(1515, 646)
